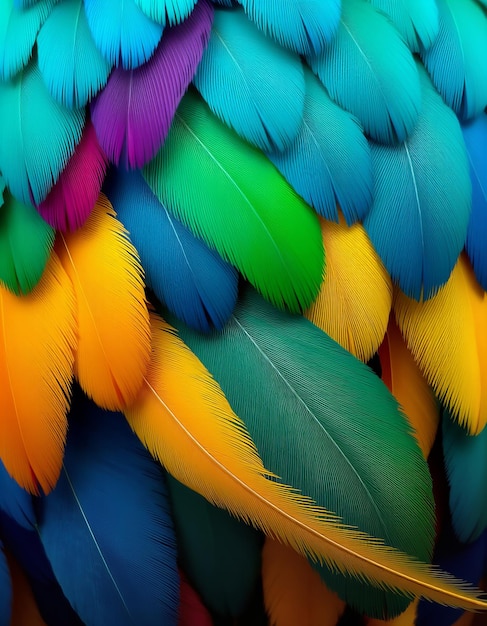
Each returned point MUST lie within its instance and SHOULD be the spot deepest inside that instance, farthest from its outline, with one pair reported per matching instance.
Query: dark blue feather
(5, 590)
(192, 280)
(15, 501)
(106, 527)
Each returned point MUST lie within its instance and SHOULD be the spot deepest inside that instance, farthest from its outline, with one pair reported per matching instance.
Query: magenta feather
(72, 198)
(132, 115)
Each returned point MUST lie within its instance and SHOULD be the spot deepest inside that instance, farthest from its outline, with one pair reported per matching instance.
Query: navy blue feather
(193, 281)
(5, 590)
(106, 527)
(15, 501)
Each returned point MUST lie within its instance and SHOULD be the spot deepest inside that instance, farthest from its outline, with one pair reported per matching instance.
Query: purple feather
(134, 112)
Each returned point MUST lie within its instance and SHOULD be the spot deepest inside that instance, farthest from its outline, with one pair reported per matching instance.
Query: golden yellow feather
(407, 618)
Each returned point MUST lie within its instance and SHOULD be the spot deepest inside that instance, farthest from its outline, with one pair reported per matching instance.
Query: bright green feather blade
(325, 424)
(25, 245)
(416, 20)
(229, 194)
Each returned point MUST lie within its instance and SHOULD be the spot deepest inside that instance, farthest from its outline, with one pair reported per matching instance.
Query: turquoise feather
(170, 11)
(251, 83)
(330, 160)
(416, 20)
(71, 65)
(381, 90)
(2, 189)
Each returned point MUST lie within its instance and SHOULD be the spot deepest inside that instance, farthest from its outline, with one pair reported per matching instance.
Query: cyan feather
(251, 83)
(170, 11)
(15, 501)
(329, 161)
(382, 90)
(416, 20)
(418, 221)
(189, 278)
(5, 590)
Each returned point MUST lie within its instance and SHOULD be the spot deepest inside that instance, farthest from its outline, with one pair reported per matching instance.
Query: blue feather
(15, 501)
(475, 136)
(416, 20)
(418, 221)
(122, 32)
(106, 527)
(5, 590)
(192, 280)
(171, 11)
(251, 83)
(330, 160)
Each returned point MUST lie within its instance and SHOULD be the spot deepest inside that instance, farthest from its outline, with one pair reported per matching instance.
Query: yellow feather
(184, 419)
(37, 343)
(294, 592)
(355, 298)
(447, 336)
(113, 320)
(407, 618)
(404, 379)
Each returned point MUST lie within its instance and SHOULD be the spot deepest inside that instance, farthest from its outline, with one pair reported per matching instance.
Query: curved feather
(416, 20)
(26, 242)
(447, 336)
(108, 283)
(15, 501)
(192, 611)
(419, 219)
(407, 618)
(221, 462)
(170, 11)
(239, 205)
(37, 342)
(24, 607)
(70, 63)
(132, 115)
(457, 60)
(355, 298)
(329, 161)
(381, 90)
(5, 590)
(304, 26)
(259, 94)
(122, 32)
(190, 279)
(71, 200)
(106, 527)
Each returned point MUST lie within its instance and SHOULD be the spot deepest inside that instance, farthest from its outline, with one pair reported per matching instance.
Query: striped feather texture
(167, 11)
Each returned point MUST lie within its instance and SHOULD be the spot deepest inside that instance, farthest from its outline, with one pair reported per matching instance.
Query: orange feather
(24, 607)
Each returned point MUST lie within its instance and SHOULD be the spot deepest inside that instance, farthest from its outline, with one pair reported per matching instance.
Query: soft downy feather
(133, 114)
(112, 318)
(170, 11)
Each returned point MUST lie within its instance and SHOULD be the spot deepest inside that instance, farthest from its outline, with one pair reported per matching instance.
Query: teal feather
(251, 83)
(2, 189)
(330, 160)
(416, 20)
(38, 135)
(170, 11)
(18, 32)
(71, 65)
(457, 61)
(381, 90)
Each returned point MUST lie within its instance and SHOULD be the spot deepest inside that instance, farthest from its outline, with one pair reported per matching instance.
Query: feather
(192, 611)
(71, 200)
(122, 32)
(5, 590)
(416, 20)
(381, 90)
(189, 278)
(293, 591)
(38, 135)
(26, 242)
(355, 299)
(204, 444)
(419, 219)
(18, 32)
(2, 190)
(329, 162)
(220, 555)
(475, 136)
(304, 26)
(113, 321)
(71, 65)
(457, 60)
(466, 468)
(408, 618)
(403, 377)
(106, 527)
(239, 205)
(260, 95)
(132, 115)
(36, 353)
(24, 607)
(15, 501)
(171, 11)
(447, 336)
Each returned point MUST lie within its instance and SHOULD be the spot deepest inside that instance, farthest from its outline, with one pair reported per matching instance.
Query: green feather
(229, 194)
(325, 424)
(25, 245)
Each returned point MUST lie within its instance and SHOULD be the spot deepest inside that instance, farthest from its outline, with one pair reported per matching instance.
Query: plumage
(419, 218)
(15, 501)
(407, 618)
(106, 526)
(38, 135)
(24, 607)
(26, 242)
(133, 114)
(108, 284)
(382, 91)
(192, 611)
(5, 590)
(170, 11)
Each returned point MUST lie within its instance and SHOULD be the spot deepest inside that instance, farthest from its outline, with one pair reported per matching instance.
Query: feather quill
(112, 316)
(133, 114)
(167, 11)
